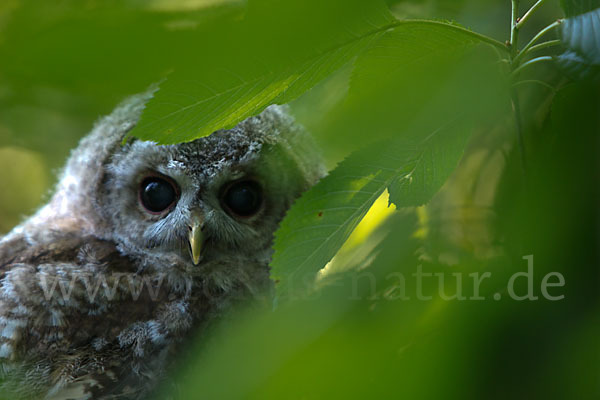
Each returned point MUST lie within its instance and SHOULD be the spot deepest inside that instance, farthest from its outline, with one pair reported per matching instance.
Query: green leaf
(417, 76)
(323, 218)
(435, 159)
(186, 109)
(429, 82)
(581, 36)
(281, 50)
(576, 7)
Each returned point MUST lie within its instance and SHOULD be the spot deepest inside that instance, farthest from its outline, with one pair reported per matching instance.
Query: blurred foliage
(415, 113)
(24, 174)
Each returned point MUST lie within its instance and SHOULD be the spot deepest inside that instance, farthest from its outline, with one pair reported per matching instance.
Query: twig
(544, 45)
(525, 17)
(530, 62)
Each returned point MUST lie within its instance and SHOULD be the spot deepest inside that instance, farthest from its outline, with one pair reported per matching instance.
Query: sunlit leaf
(320, 221)
(183, 110)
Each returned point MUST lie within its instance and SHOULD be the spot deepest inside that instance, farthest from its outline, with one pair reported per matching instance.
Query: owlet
(140, 247)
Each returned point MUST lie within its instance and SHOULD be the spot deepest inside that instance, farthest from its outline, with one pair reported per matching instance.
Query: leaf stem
(537, 37)
(530, 62)
(514, 30)
(544, 45)
(525, 17)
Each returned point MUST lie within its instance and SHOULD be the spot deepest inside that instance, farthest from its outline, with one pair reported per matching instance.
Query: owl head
(215, 197)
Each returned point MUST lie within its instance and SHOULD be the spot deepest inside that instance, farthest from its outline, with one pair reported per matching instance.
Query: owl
(139, 249)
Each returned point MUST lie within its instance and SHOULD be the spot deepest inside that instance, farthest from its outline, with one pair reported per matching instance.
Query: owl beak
(196, 237)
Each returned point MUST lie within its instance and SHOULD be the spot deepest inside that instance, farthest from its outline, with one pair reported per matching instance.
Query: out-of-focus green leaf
(576, 7)
(581, 36)
(103, 50)
(281, 50)
(555, 218)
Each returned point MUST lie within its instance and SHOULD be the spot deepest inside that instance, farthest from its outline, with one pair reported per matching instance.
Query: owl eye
(157, 194)
(243, 198)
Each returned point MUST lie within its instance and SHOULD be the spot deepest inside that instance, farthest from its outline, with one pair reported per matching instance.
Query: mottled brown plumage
(98, 294)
